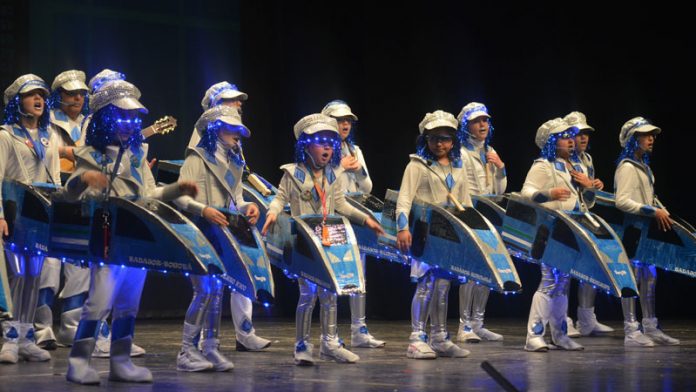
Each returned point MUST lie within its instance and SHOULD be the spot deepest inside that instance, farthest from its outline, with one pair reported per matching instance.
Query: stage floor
(604, 365)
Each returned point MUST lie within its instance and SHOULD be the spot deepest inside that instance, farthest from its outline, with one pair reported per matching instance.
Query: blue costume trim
(87, 329)
(122, 328)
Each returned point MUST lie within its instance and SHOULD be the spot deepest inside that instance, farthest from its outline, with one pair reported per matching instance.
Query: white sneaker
(334, 350)
(637, 339)
(488, 335)
(303, 354)
(9, 352)
(536, 344)
(466, 334)
(443, 347)
(572, 332)
(211, 353)
(251, 342)
(563, 342)
(361, 337)
(419, 348)
(191, 360)
(30, 352)
(652, 330)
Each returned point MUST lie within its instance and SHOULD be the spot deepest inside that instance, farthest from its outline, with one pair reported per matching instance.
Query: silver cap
(553, 126)
(24, 84)
(314, 123)
(119, 93)
(104, 76)
(636, 124)
(578, 120)
(220, 91)
(337, 109)
(472, 110)
(437, 119)
(71, 80)
(226, 114)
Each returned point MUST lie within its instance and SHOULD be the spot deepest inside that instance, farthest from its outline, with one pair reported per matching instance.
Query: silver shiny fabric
(119, 93)
(305, 306)
(472, 302)
(213, 314)
(420, 305)
(357, 303)
(328, 316)
(438, 307)
(24, 285)
(200, 300)
(23, 84)
(586, 295)
(646, 275)
(550, 302)
(227, 114)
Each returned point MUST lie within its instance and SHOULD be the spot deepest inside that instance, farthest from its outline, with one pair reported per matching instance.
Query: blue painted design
(123, 327)
(299, 174)
(246, 326)
(578, 168)
(330, 176)
(457, 163)
(402, 222)
(467, 328)
(363, 330)
(538, 329)
(423, 338)
(590, 172)
(60, 115)
(30, 335)
(87, 329)
(74, 302)
(104, 329)
(12, 333)
(196, 340)
(560, 166)
(301, 347)
(449, 181)
(46, 297)
(75, 133)
(564, 327)
(229, 177)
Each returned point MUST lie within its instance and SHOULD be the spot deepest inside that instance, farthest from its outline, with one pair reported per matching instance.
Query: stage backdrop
(528, 64)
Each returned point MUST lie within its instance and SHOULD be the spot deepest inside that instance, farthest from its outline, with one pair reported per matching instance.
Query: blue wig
(209, 141)
(463, 135)
(101, 131)
(548, 152)
(629, 151)
(12, 113)
(424, 152)
(54, 100)
(305, 140)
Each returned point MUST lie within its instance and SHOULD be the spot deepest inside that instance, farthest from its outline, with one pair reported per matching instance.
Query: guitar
(162, 126)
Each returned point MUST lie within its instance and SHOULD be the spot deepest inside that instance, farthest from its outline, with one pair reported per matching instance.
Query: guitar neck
(147, 132)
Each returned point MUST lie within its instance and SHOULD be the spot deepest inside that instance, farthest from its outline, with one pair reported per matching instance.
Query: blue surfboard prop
(580, 244)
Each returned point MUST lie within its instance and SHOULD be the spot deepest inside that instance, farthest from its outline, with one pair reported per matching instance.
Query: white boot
(443, 346)
(539, 314)
(10, 348)
(189, 358)
(211, 353)
(28, 350)
(559, 325)
(572, 332)
(418, 347)
(360, 337)
(43, 320)
(587, 323)
(652, 330)
(121, 367)
(467, 334)
(634, 337)
(79, 370)
(485, 334)
(242, 308)
(303, 354)
(103, 347)
(68, 326)
(333, 350)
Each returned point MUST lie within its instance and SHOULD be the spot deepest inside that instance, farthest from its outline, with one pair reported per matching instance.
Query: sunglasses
(434, 139)
(75, 93)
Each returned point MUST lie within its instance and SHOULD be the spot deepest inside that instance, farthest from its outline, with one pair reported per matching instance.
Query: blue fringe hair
(209, 141)
(548, 152)
(11, 113)
(463, 134)
(629, 151)
(423, 151)
(53, 101)
(101, 131)
(305, 140)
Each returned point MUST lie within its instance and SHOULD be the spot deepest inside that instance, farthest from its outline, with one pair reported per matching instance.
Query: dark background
(392, 65)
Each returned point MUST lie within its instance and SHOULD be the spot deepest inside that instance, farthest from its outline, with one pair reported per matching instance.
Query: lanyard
(322, 196)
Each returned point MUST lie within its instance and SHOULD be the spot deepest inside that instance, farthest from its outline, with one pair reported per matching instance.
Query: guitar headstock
(164, 125)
